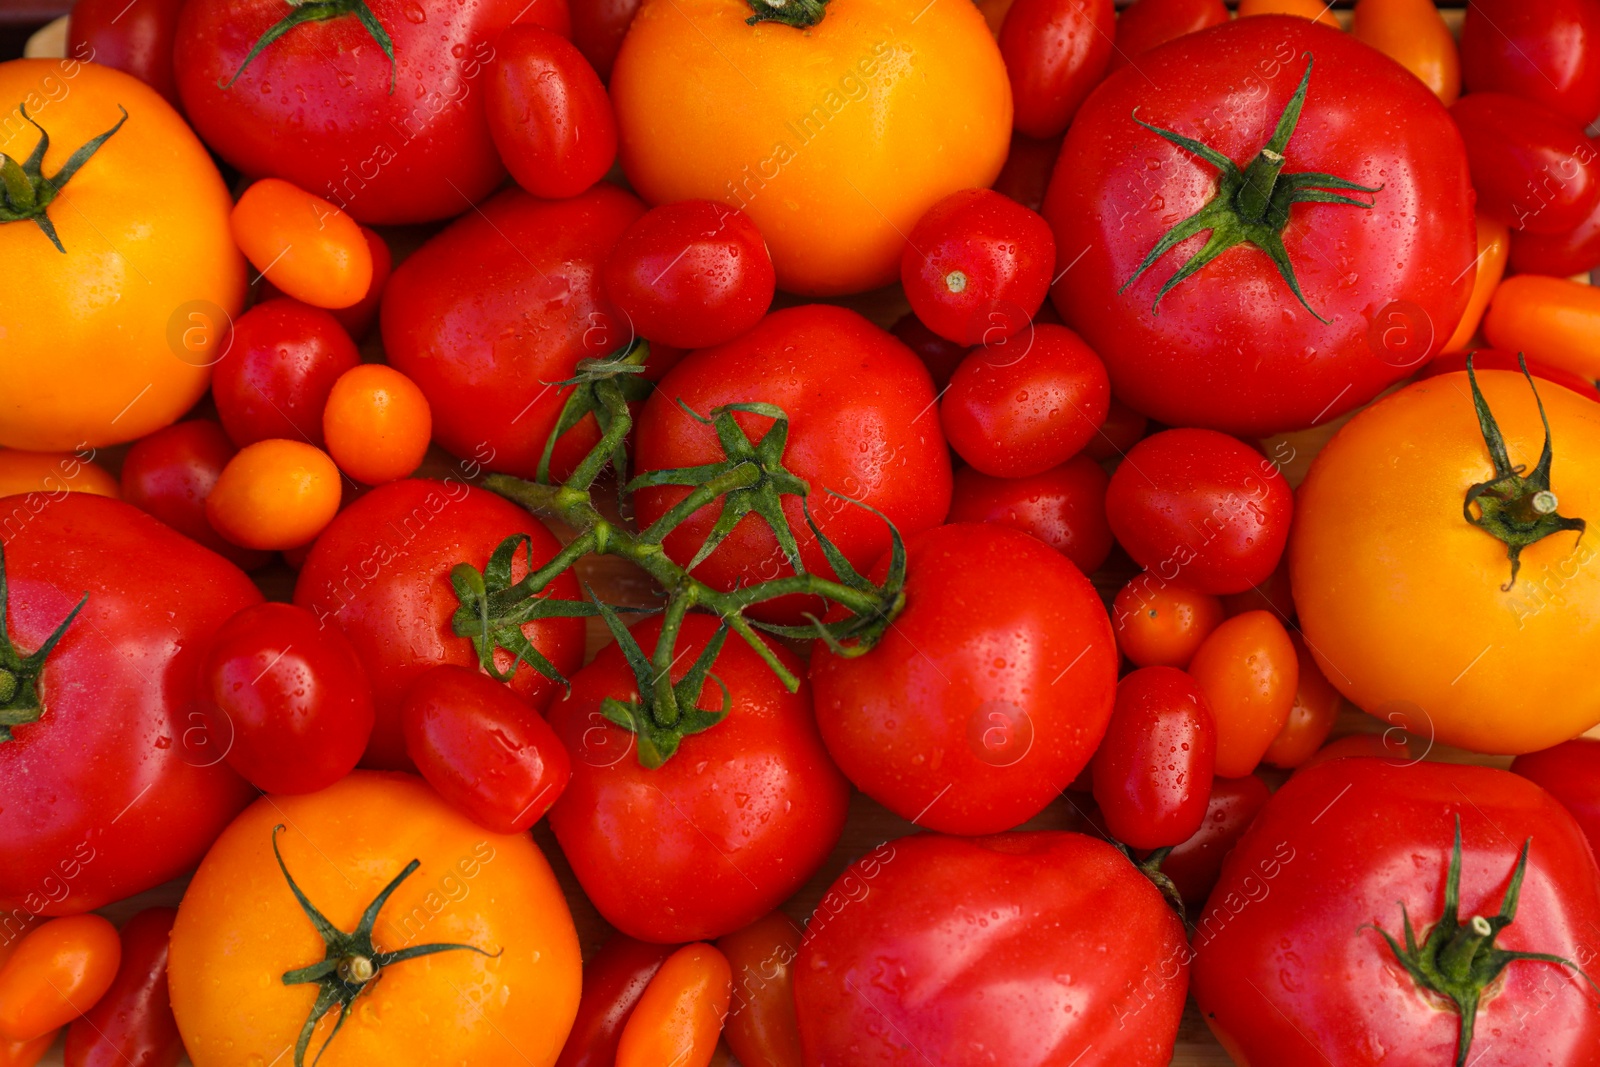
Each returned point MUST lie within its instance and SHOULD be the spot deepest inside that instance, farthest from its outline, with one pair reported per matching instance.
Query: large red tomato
(1371, 216)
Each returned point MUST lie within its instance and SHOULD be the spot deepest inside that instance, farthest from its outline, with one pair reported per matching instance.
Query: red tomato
(970, 721)
(381, 572)
(277, 371)
(941, 357)
(1144, 24)
(1025, 404)
(170, 473)
(691, 274)
(1162, 624)
(1152, 772)
(115, 788)
(483, 748)
(1499, 359)
(1547, 52)
(1571, 773)
(135, 37)
(1026, 175)
(1533, 169)
(679, 1017)
(1055, 52)
(1391, 745)
(1249, 672)
(58, 971)
(132, 1025)
(1298, 953)
(286, 698)
(598, 27)
(614, 979)
(1202, 508)
(762, 1029)
(548, 113)
(1065, 507)
(1195, 865)
(1123, 428)
(497, 305)
(358, 318)
(725, 830)
(935, 949)
(1574, 251)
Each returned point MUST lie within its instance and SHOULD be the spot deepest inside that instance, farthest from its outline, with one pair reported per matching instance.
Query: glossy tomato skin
(1152, 772)
(1195, 865)
(381, 573)
(113, 790)
(1570, 772)
(861, 423)
(1547, 52)
(1065, 507)
(988, 694)
(548, 113)
(940, 356)
(1145, 24)
(170, 473)
(134, 38)
(279, 368)
(926, 943)
(762, 1029)
(1499, 359)
(1056, 52)
(57, 966)
(1336, 853)
(1574, 251)
(1231, 348)
(132, 1025)
(614, 979)
(598, 27)
(721, 833)
(1533, 168)
(502, 301)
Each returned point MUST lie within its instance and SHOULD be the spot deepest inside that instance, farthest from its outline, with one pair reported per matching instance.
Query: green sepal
(602, 387)
(304, 11)
(26, 194)
(492, 609)
(799, 14)
(19, 674)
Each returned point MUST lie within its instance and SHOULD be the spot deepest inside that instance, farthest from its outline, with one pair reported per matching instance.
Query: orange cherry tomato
(1413, 34)
(53, 473)
(1315, 10)
(377, 424)
(56, 974)
(1249, 673)
(25, 1053)
(1494, 245)
(302, 244)
(1159, 624)
(679, 1018)
(1390, 745)
(762, 1029)
(1551, 320)
(274, 494)
(1316, 706)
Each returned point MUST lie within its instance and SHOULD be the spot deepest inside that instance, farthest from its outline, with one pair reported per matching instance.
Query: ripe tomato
(1152, 772)
(925, 944)
(132, 1024)
(1065, 507)
(1026, 174)
(1195, 865)
(274, 377)
(381, 573)
(866, 119)
(53, 473)
(1568, 771)
(58, 969)
(940, 356)
(310, 249)
(1547, 52)
(970, 721)
(122, 322)
(134, 38)
(1144, 24)
(170, 473)
(614, 979)
(1532, 168)
(1160, 623)
(1298, 955)
(1123, 428)
(1574, 251)
(1550, 320)
(1315, 10)
(598, 27)
(725, 830)
(274, 494)
(505, 991)
(1494, 242)
(1230, 346)
(25, 1053)
(1055, 52)
(548, 113)
(377, 424)
(1414, 35)
(1389, 745)
(1498, 359)
(1249, 674)
(1316, 706)
(762, 1029)
(680, 1015)
(111, 790)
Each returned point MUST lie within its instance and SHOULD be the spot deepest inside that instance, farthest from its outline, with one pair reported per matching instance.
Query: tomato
(1494, 241)
(1305, 952)
(1026, 174)
(1544, 52)
(309, 248)
(548, 113)
(286, 699)
(377, 424)
(1055, 52)
(1550, 320)
(505, 988)
(25, 1053)
(381, 573)
(725, 830)
(923, 946)
(1123, 428)
(123, 320)
(1315, 10)
(274, 377)
(876, 443)
(970, 721)
(111, 790)
(132, 1025)
(614, 979)
(1532, 168)
(53, 473)
(940, 356)
(679, 1017)
(1316, 706)
(1390, 745)
(1575, 251)
(869, 113)
(498, 305)
(761, 1028)
(1434, 652)
(1144, 24)
(170, 473)
(691, 274)
(57, 972)
(1195, 865)
(135, 38)
(1152, 772)
(1414, 35)
(1568, 772)
(1272, 595)
(1230, 346)
(1160, 623)
(274, 494)
(483, 748)
(1498, 359)
(1064, 507)
(598, 27)
(1249, 673)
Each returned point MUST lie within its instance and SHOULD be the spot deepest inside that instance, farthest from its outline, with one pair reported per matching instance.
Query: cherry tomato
(940, 356)
(1533, 169)
(1055, 52)
(598, 27)
(1249, 672)
(614, 979)
(553, 15)
(286, 699)
(1548, 52)
(679, 1017)
(1576, 251)
(358, 318)
(25, 1053)
(1195, 865)
(1494, 240)
(1316, 706)
(1160, 623)
(1123, 428)
(14, 927)
(1152, 772)
(132, 1025)
(1550, 320)
(1065, 507)
(169, 475)
(1273, 594)
(274, 377)
(1200, 507)
(306, 246)
(1144, 24)
(485, 749)
(1414, 35)
(57, 973)
(762, 1029)
(548, 113)
(377, 424)
(1316, 10)
(53, 473)
(1026, 175)
(274, 494)
(1571, 773)
(691, 274)
(1498, 359)
(1389, 745)
(134, 37)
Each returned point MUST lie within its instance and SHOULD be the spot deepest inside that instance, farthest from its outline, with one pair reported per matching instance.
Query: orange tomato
(25, 1053)
(680, 1015)
(1161, 624)
(860, 124)
(274, 494)
(1316, 706)
(1551, 320)
(1414, 35)
(240, 930)
(1315, 10)
(53, 473)
(1494, 245)
(302, 244)
(762, 1028)
(56, 974)
(1249, 673)
(377, 424)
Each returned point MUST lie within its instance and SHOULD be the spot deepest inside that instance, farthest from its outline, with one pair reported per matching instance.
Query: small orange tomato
(1549, 320)
(377, 424)
(1413, 34)
(1494, 245)
(1249, 673)
(1315, 10)
(274, 494)
(1316, 705)
(1159, 624)
(762, 1029)
(302, 244)
(1390, 745)
(53, 473)
(679, 1017)
(25, 1053)
(56, 974)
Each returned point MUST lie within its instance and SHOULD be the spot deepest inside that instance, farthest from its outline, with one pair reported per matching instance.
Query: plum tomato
(276, 372)
(940, 356)
(1056, 52)
(1160, 623)
(135, 38)
(1316, 706)
(1064, 507)
(548, 113)
(1194, 865)
(1026, 175)
(614, 979)
(679, 1017)
(1413, 33)
(1552, 321)
(1574, 251)
(377, 424)
(598, 27)
(762, 1029)
(1547, 52)
(1145, 24)
(1570, 772)
(59, 968)
(170, 473)
(132, 1024)
(1249, 672)
(1494, 246)
(1533, 169)
(1311, 10)
(1153, 770)
(274, 494)
(359, 318)
(1123, 428)
(310, 249)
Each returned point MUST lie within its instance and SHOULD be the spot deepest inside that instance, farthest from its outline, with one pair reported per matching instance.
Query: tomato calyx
(801, 14)
(603, 387)
(303, 11)
(1516, 508)
(25, 193)
(1150, 867)
(1251, 206)
(19, 674)
(351, 962)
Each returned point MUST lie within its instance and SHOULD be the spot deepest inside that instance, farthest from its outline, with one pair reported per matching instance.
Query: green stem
(740, 477)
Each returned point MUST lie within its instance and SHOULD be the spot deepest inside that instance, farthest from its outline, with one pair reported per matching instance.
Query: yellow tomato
(274, 494)
(53, 473)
